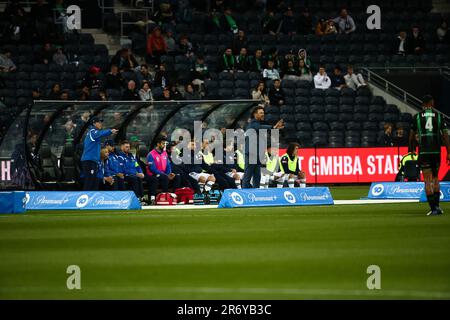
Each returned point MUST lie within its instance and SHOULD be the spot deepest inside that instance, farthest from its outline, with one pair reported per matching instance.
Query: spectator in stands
(273, 55)
(337, 79)
(228, 22)
(344, 22)
(40, 15)
(101, 95)
(55, 92)
(59, 57)
(276, 94)
(270, 23)
(321, 79)
(166, 96)
(321, 27)
(259, 93)
(270, 73)
(45, 55)
(190, 93)
(36, 94)
(239, 41)
(305, 22)
(145, 93)
(175, 93)
(257, 61)
(200, 71)
(399, 45)
(330, 27)
(401, 138)
(166, 15)
(227, 62)
(91, 78)
(186, 47)
(64, 95)
(162, 76)
(303, 55)
(386, 139)
(442, 32)
(170, 42)
(354, 80)
(291, 72)
(416, 42)
(156, 46)
(113, 79)
(288, 22)
(304, 71)
(84, 93)
(130, 93)
(69, 131)
(243, 61)
(6, 63)
(143, 75)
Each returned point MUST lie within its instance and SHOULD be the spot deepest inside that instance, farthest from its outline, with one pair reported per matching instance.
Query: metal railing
(401, 94)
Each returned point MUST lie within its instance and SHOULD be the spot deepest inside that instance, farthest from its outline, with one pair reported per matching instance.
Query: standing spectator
(270, 24)
(303, 55)
(186, 47)
(59, 57)
(156, 46)
(6, 63)
(200, 71)
(416, 42)
(143, 75)
(170, 42)
(288, 23)
(239, 41)
(337, 80)
(228, 22)
(386, 139)
(442, 32)
(354, 80)
(259, 93)
(146, 93)
(113, 79)
(257, 61)
(270, 73)
(305, 72)
(305, 22)
(399, 45)
(321, 79)
(227, 62)
(130, 93)
(276, 94)
(345, 23)
(243, 60)
(190, 93)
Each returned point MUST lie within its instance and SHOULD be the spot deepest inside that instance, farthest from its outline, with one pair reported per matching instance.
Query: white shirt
(271, 74)
(354, 81)
(322, 82)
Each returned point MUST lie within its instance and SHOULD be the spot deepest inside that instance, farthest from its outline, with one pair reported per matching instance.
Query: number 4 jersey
(429, 126)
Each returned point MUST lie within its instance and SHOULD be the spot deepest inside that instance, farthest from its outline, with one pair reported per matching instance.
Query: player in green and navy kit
(430, 127)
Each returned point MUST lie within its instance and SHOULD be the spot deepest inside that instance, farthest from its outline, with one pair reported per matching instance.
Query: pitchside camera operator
(91, 153)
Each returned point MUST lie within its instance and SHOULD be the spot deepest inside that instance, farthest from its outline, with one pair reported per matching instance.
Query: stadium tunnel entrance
(42, 147)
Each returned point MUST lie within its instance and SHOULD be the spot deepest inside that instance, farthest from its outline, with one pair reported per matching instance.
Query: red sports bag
(185, 195)
(166, 199)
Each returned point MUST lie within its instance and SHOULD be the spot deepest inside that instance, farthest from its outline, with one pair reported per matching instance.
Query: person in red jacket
(156, 46)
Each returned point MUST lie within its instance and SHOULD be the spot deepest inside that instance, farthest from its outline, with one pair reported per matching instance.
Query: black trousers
(135, 184)
(251, 171)
(163, 182)
(90, 170)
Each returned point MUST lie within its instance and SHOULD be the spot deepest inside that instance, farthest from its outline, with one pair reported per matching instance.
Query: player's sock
(291, 183)
(238, 183)
(201, 186)
(431, 201)
(437, 196)
(302, 183)
(208, 186)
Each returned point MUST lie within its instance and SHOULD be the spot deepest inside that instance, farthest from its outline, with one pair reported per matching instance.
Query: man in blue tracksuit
(91, 153)
(131, 169)
(115, 167)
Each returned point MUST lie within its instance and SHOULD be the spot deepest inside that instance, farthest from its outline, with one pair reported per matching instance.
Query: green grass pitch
(256, 253)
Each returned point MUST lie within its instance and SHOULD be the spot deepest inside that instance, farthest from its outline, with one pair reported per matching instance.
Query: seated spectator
(330, 27)
(186, 47)
(124, 60)
(228, 22)
(416, 41)
(259, 93)
(288, 23)
(399, 45)
(91, 78)
(166, 96)
(344, 22)
(257, 61)
(227, 62)
(143, 75)
(84, 93)
(45, 55)
(337, 80)
(64, 95)
(303, 55)
(239, 41)
(270, 24)
(162, 76)
(276, 94)
(321, 79)
(113, 79)
(170, 42)
(36, 94)
(200, 71)
(59, 57)
(175, 93)
(304, 71)
(291, 72)
(305, 22)
(6, 63)
(273, 55)
(386, 139)
(130, 93)
(145, 93)
(401, 137)
(354, 80)
(156, 46)
(101, 95)
(321, 27)
(270, 73)
(442, 32)
(55, 92)
(166, 15)
(243, 60)
(190, 93)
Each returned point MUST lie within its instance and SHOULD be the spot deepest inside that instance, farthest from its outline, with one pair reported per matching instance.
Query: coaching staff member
(253, 170)
(91, 153)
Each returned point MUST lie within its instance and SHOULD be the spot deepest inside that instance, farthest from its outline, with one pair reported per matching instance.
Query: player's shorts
(231, 174)
(198, 176)
(430, 161)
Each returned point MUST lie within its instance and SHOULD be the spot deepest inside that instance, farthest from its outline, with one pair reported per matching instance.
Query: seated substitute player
(114, 167)
(103, 174)
(234, 164)
(205, 180)
(131, 169)
(289, 166)
(271, 172)
(159, 170)
(430, 127)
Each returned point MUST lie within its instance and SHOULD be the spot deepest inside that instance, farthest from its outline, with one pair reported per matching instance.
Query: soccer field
(257, 253)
